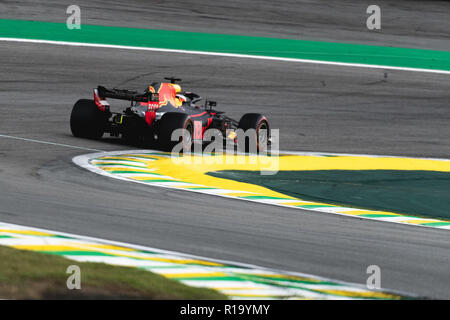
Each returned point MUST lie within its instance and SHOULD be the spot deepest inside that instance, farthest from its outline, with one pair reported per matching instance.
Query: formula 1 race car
(156, 113)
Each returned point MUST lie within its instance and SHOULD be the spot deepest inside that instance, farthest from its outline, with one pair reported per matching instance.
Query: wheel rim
(187, 135)
(262, 134)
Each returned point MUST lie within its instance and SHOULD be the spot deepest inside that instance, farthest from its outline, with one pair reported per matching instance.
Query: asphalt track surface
(316, 107)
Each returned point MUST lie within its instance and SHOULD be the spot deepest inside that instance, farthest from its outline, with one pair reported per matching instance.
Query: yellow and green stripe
(192, 173)
(235, 280)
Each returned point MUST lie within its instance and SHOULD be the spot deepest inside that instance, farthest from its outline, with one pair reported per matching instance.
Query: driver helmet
(181, 98)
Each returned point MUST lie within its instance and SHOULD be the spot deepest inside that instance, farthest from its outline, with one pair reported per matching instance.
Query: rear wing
(123, 94)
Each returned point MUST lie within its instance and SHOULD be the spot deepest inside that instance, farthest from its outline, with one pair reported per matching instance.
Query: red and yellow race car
(156, 113)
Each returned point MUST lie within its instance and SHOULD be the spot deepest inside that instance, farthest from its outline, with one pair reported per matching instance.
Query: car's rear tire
(260, 124)
(171, 121)
(134, 131)
(87, 120)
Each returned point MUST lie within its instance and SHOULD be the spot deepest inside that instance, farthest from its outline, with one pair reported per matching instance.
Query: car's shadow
(132, 144)
(151, 145)
(121, 142)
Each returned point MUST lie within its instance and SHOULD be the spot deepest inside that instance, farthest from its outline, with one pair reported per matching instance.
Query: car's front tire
(87, 120)
(260, 124)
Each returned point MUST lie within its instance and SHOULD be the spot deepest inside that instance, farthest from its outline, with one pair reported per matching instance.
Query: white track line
(223, 54)
(49, 143)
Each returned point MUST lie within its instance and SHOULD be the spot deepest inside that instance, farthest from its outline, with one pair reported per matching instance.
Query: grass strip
(32, 275)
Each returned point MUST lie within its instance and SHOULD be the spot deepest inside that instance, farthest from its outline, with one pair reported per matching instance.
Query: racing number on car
(198, 128)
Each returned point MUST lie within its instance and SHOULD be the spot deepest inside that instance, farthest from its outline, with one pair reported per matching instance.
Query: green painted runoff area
(223, 43)
(420, 193)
